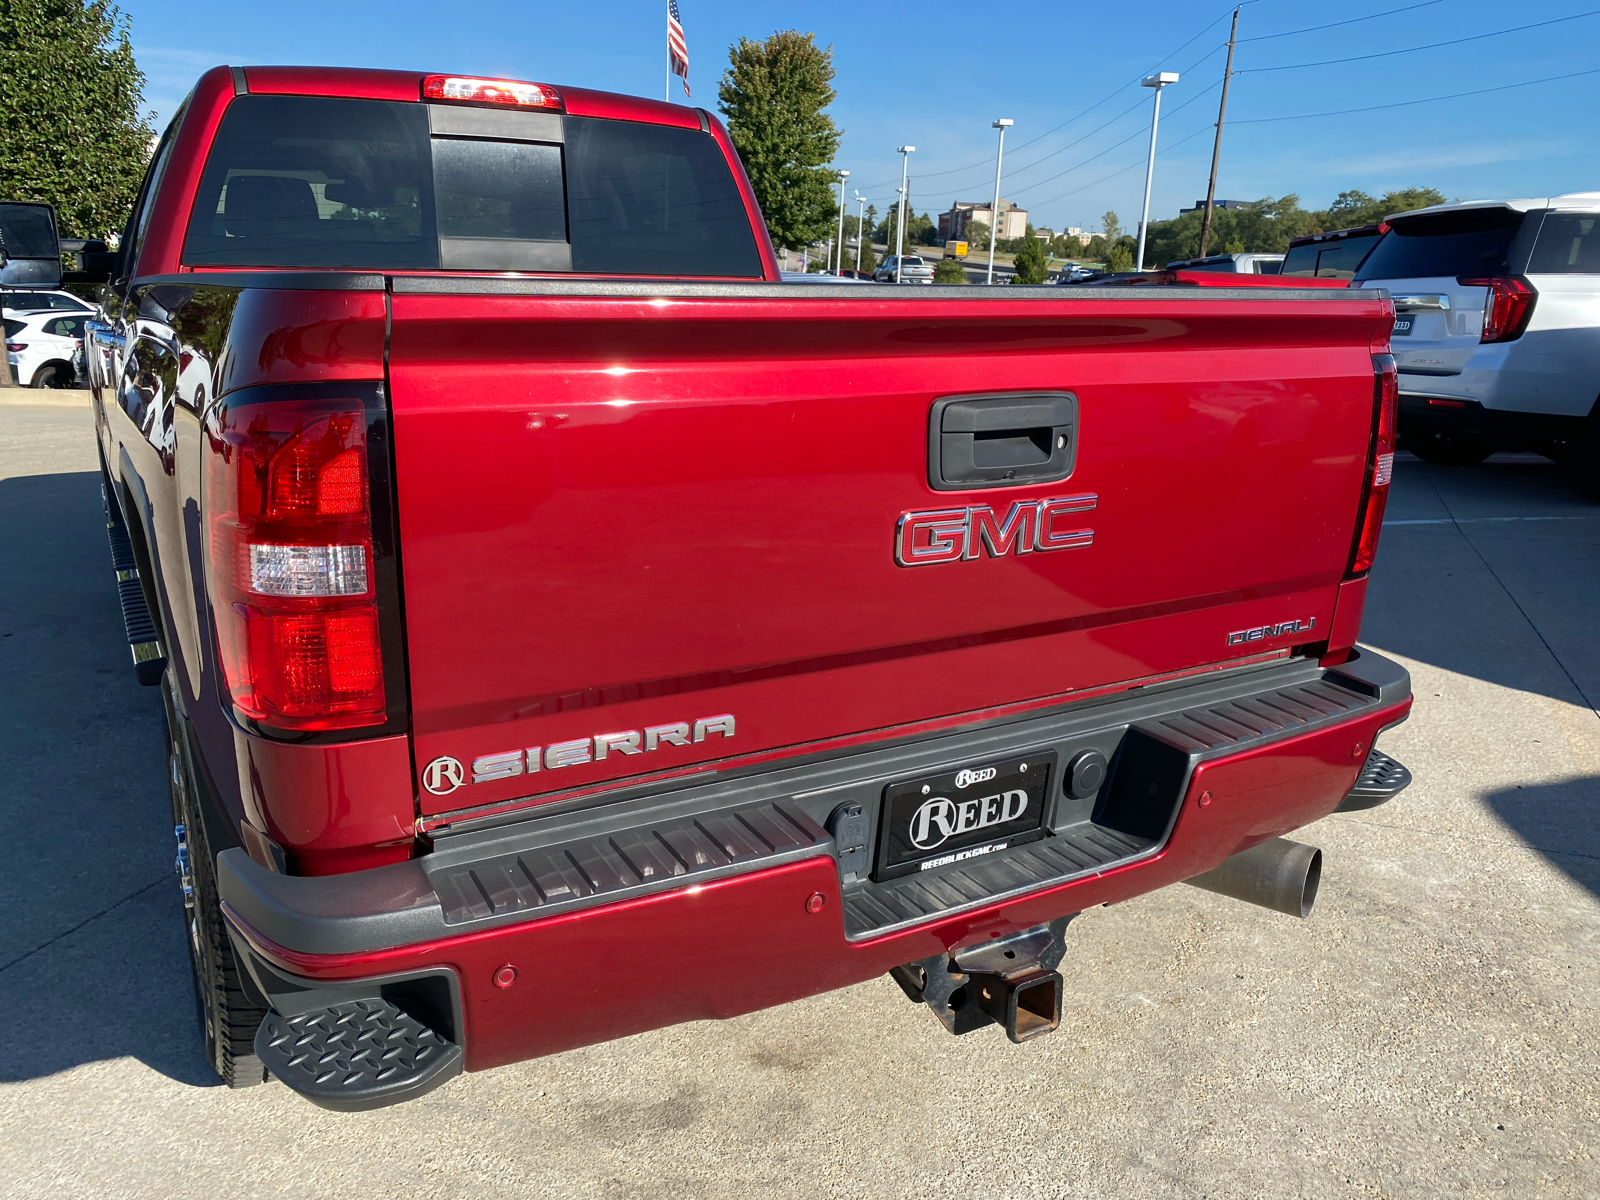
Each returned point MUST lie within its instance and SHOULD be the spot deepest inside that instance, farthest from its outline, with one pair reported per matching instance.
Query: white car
(913, 269)
(1497, 333)
(1232, 264)
(43, 348)
(16, 303)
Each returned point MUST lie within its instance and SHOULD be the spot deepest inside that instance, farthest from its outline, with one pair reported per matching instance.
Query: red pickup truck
(567, 628)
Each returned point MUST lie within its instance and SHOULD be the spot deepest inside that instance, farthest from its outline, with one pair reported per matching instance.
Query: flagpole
(668, 96)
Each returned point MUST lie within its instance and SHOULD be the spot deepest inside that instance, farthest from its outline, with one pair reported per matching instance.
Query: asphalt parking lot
(1431, 1030)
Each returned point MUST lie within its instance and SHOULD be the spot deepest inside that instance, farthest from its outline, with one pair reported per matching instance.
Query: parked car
(1334, 255)
(1077, 273)
(1242, 264)
(851, 273)
(15, 302)
(914, 269)
(42, 348)
(1497, 328)
(566, 637)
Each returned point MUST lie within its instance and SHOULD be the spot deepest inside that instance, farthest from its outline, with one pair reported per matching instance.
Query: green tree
(1029, 260)
(977, 235)
(1357, 208)
(70, 130)
(1111, 226)
(773, 95)
(948, 270)
(1121, 257)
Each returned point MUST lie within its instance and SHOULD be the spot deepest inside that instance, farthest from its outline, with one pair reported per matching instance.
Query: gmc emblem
(948, 534)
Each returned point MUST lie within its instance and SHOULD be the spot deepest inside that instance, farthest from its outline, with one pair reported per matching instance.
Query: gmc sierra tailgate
(649, 528)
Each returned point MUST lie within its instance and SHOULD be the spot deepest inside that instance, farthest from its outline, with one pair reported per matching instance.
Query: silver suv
(1497, 334)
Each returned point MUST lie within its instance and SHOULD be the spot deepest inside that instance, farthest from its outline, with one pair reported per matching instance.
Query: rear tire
(1582, 459)
(1449, 449)
(53, 375)
(228, 1012)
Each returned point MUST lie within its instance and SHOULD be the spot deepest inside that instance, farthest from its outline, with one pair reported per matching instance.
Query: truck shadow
(93, 963)
(1560, 820)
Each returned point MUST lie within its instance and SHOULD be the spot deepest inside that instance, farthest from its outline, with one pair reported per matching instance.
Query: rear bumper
(614, 923)
(1423, 412)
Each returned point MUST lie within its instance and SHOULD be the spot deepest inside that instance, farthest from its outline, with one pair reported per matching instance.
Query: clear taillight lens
(289, 518)
(1510, 304)
(1380, 463)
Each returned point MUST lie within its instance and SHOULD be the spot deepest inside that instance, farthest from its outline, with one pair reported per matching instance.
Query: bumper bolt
(1205, 799)
(505, 976)
(816, 902)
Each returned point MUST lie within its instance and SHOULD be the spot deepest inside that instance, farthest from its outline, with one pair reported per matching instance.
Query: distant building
(1199, 205)
(953, 224)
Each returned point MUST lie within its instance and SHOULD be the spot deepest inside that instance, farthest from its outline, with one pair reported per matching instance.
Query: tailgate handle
(1001, 439)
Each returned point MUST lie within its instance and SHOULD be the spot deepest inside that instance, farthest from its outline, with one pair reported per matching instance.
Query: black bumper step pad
(358, 1055)
(1380, 781)
(676, 850)
(144, 641)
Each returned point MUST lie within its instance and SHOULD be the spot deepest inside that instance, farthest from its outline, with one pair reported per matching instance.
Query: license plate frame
(961, 814)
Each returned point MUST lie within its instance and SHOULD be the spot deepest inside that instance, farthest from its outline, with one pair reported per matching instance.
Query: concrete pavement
(1431, 1030)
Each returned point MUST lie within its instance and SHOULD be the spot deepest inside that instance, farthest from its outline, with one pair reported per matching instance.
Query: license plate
(963, 814)
(1403, 323)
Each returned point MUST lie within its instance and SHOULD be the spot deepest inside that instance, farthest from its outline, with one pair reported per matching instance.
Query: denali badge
(1271, 631)
(444, 775)
(948, 534)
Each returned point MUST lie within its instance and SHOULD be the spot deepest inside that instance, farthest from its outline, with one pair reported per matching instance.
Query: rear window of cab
(1472, 241)
(295, 181)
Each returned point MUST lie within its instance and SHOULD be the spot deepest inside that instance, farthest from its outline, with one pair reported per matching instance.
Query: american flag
(677, 45)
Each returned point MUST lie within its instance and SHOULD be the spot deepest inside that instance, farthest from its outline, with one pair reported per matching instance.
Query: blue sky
(1065, 73)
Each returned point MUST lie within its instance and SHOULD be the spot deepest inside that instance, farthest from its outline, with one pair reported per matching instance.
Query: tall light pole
(1158, 82)
(1003, 124)
(843, 175)
(861, 226)
(905, 153)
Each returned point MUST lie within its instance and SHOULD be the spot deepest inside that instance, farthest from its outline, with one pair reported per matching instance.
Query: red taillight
(14, 347)
(292, 571)
(1510, 305)
(1380, 463)
(468, 89)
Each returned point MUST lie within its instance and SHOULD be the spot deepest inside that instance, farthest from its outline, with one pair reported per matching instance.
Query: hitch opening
(1010, 982)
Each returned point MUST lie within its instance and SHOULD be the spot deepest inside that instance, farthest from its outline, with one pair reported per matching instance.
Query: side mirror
(32, 249)
(92, 261)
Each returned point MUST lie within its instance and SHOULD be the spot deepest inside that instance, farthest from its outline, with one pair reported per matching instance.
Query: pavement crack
(86, 921)
(1511, 596)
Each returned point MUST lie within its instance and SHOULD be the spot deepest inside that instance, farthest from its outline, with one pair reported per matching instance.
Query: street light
(1003, 124)
(905, 153)
(861, 227)
(1158, 82)
(843, 175)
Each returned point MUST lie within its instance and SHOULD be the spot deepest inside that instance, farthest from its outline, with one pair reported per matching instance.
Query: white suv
(1497, 336)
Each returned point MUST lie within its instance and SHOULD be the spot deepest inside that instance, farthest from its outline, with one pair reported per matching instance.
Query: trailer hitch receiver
(1011, 982)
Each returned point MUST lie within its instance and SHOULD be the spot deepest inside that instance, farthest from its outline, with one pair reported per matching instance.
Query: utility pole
(843, 175)
(905, 153)
(1002, 125)
(1216, 149)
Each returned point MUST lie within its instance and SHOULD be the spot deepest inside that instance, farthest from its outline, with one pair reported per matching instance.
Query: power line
(984, 162)
(1265, 37)
(1477, 37)
(1124, 170)
(1340, 112)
